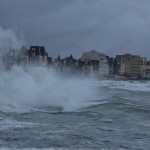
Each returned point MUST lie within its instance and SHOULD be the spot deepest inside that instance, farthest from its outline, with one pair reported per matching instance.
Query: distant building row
(91, 63)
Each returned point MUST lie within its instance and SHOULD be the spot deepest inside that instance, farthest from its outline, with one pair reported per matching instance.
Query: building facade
(146, 70)
(94, 63)
(131, 65)
(38, 55)
(104, 66)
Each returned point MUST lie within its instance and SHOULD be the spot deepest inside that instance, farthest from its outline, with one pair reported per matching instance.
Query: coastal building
(130, 65)
(104, 66)
(58, 64)
(146, 70)
(38, 55)
(113, 66)
(24, 61)
(91, 63)
(23, 57)
(67, 66)
(9, 59)
(94, 63)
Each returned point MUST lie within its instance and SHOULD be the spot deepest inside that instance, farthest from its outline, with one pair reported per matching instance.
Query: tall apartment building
(90, 61)
(94, 62)
(130, 65)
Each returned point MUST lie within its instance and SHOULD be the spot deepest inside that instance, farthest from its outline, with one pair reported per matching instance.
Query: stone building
(94, 63)
(38, 55)
(130, 65)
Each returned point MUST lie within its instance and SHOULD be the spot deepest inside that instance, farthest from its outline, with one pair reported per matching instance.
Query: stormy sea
(40, 110)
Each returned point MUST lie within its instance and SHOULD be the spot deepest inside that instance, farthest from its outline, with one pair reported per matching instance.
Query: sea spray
(9, 40)
(43, 87)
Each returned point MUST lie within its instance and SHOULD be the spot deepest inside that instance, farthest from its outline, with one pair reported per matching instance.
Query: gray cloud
(74, 26)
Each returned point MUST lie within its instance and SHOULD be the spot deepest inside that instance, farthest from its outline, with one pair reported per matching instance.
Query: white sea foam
(127, 85)
(6, 124)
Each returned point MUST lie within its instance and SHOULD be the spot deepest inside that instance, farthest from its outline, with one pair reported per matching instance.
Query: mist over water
(39, 87)
(9, 40)
(43, 87)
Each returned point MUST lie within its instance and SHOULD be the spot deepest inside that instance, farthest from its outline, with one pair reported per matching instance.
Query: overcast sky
(72, 26)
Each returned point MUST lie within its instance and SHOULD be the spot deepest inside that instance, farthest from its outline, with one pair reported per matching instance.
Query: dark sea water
(115, 115)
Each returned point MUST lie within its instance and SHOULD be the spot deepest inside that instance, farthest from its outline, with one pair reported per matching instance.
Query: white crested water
(41, 110)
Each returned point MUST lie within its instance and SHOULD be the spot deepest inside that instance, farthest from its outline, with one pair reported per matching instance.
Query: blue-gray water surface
(117, 118)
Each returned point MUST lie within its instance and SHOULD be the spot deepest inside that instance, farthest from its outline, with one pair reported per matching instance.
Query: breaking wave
(42, 87)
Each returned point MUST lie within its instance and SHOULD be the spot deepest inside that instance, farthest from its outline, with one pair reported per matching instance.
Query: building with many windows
(94, 63)
(131, 65)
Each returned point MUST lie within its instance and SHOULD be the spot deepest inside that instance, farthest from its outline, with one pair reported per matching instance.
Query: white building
(95, 63)
(104, 66)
